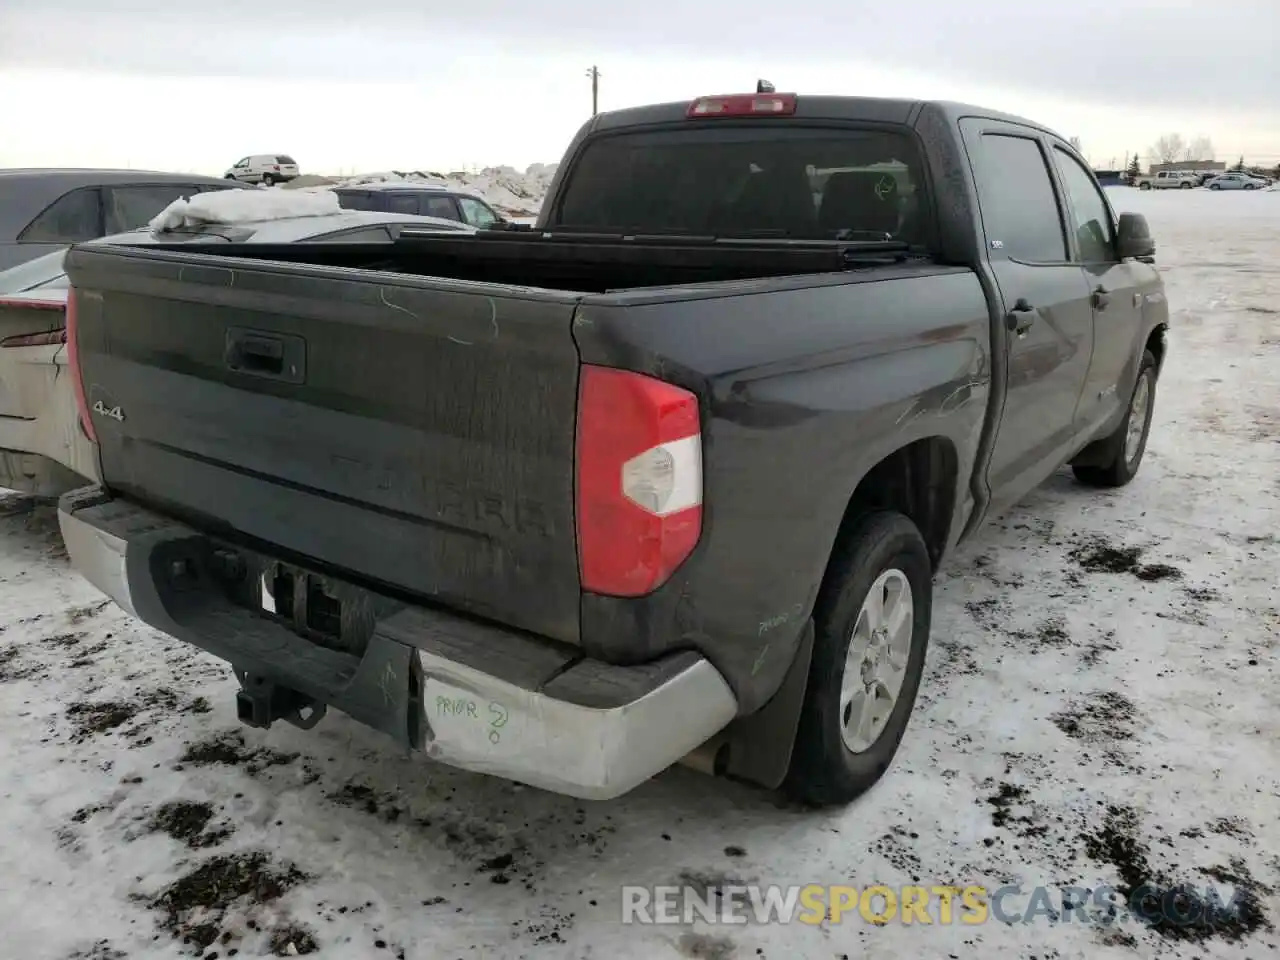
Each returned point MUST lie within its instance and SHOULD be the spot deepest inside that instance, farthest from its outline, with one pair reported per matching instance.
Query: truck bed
(576, 261)
(405, 418)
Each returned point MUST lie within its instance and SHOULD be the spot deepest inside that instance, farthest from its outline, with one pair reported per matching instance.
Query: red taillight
(73, 363)
(277, 168)
(639, 481)
(744, 105)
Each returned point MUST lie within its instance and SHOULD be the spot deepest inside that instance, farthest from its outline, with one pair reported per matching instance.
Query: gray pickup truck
(666, 476)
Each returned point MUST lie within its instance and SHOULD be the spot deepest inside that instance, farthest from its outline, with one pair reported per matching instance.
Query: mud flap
(760, 745)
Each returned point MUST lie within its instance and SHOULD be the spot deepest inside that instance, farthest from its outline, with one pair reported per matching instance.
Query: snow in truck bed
(244, 206)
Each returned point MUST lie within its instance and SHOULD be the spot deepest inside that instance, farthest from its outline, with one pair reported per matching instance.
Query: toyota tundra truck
(665, 476)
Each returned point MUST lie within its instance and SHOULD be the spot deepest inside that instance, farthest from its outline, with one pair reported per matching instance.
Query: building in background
(1196, 166)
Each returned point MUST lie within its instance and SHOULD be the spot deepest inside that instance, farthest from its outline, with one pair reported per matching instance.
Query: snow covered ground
(1102, 706)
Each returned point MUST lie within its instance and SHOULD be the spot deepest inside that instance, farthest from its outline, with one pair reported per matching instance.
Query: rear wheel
(1129, 442)
(1215, 186)
(871, 630)
(1185, 186)
(1144, 186)
(1249, 186)
(268, 180)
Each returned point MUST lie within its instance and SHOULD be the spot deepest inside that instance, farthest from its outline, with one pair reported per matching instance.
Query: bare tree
(1168, 148)
(1199, 149)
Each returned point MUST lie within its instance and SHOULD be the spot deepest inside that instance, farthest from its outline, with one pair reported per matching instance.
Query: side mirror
(1133, 238)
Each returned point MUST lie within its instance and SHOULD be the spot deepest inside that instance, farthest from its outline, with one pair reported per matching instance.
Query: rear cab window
(802, 182)
(73, 217)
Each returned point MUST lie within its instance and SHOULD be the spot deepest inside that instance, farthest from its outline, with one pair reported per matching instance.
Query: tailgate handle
(275, 356)
(260, 354)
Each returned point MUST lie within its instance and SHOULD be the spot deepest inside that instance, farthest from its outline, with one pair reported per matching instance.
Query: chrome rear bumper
(464, 692)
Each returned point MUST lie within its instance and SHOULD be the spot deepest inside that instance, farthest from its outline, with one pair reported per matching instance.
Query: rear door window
(402, 203)
(286, 159)
(1018, 202)
(131, 207)
(73, 217)
(443, 207)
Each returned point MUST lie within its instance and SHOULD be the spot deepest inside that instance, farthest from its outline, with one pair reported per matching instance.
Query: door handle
(1020, 317)
(1101, 297)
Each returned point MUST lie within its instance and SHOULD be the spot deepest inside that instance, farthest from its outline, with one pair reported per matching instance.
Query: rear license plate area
(303, 600)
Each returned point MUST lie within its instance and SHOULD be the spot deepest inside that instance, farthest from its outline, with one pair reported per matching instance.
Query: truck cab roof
(860, 109)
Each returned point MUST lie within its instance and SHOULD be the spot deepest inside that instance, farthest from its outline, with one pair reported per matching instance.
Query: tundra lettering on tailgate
(464, 506)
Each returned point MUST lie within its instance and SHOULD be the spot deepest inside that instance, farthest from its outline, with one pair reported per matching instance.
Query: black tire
(1144, 186)
(1185, 186)
(1215, 186)
(268, 180)
(1120, 469)
(1249, 186)
(228, 176)
(824, 771)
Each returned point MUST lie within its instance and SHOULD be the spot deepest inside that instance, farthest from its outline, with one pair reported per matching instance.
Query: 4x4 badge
(115, 413)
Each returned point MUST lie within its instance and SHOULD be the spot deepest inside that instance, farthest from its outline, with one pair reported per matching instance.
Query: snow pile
(505, 189)
(509, 190)
(244, 206)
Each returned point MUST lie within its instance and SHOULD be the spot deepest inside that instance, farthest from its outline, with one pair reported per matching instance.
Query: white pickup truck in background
(1168, 180)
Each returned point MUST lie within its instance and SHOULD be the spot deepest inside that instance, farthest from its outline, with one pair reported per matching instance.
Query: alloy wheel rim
(875, 665)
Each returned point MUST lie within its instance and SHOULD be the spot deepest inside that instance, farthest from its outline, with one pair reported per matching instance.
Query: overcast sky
(436, 84)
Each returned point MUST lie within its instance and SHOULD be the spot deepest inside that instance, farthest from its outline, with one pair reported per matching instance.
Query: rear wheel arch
(1157, 342)
(919, 481)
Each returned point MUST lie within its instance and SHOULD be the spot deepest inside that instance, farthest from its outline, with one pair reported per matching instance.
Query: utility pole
(594, 74)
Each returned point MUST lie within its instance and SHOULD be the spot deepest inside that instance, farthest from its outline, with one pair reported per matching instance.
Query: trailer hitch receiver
(260, 702)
